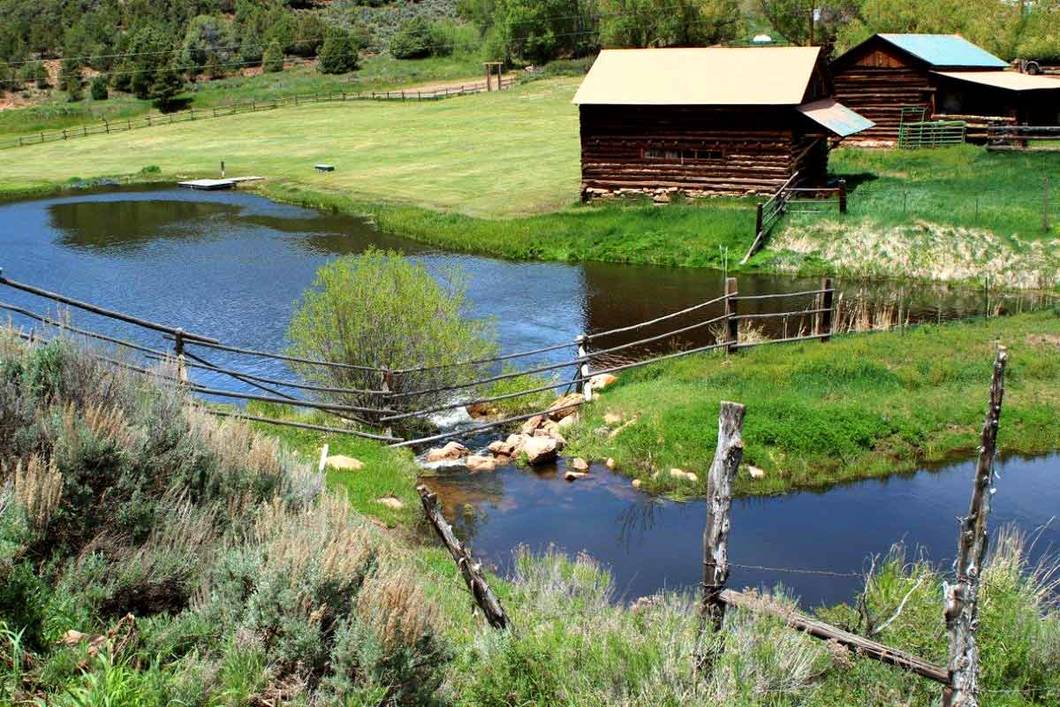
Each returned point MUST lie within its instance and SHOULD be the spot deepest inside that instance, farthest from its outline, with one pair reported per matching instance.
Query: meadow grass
(380, 72)
(860, 405)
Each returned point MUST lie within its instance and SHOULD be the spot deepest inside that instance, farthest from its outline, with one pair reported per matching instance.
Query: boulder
(450, 452)
(755, 472)
(540, 450)
(578, 464)
(683, 475)
(391, 502)
(602, 380)
(533, 424)
(515, 443)
(568, 421)
(500, 447)
(478, 411)
(343, 463)
(610, 463)
(636, 483)
(476, 463)
(565, 406)
(561, 442)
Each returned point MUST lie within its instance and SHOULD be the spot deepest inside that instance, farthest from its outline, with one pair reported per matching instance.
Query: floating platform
(216, 184)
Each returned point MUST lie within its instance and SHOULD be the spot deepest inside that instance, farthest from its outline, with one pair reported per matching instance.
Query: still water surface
(232, 266)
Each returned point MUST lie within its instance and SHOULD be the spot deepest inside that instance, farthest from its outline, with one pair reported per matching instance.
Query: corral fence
(108, 127)
(1022, 137)
(931, 133)
(388, 397)
(959, 678)
(792, 198)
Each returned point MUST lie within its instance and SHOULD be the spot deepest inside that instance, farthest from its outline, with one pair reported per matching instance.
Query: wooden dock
(216, 184)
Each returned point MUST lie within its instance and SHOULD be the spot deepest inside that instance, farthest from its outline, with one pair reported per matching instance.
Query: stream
(233, 265)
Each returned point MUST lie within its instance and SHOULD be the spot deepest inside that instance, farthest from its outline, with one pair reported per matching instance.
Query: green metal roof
(945, 50)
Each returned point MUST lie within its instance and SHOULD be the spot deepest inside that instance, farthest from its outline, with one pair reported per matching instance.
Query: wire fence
(109, 127)
(370, 411)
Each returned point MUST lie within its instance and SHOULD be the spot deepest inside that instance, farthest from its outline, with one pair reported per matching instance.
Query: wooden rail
(773, 209)
(108, 127)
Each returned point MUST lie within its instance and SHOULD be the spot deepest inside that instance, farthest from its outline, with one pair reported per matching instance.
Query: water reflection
(651, 544)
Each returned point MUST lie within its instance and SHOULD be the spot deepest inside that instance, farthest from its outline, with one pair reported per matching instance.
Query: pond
(232, 265)
(815, 543)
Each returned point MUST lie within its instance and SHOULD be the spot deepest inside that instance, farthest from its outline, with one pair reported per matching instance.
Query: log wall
(695, 150)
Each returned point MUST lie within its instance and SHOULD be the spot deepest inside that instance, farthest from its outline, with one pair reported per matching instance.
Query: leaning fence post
(962, 607)
(758, 220)
(388, 388)
(727, 457)
(824, 309)
(732, 323)
(842, 196)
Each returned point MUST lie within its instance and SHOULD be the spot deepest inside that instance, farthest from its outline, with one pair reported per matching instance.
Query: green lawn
(861, 405)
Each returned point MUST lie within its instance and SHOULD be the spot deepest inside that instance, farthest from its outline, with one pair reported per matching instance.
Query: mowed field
(498, 154)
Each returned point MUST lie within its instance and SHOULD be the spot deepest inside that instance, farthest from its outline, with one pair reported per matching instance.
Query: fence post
(64, 133)
(106, 124)
(758, 220)
(842, 196)
(824, 305)
(178, 353)
(584, 386)
(387, 388)
(962, 608)
(128, 122)
(727, 457)
(1045, 204)
(84, 131)
(732, 324)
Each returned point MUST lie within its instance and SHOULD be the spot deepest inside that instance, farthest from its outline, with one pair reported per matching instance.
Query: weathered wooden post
(106, 124)
(387, 388)
(962, 598)
(732, 324)
(1045, 204)
(727, 457)
(178, 353)
(222, 169)
(758, 220)
(64, 134)
(842, 196)
(323, 459)
(584, 386)
(824, 309)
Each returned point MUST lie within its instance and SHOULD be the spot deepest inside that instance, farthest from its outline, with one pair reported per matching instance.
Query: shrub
(338, 55)
(381, 310)
(99, 89)
(413, 40)
(272, 61)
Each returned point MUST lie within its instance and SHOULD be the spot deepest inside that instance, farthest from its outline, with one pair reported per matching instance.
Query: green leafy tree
(71, 79)
(272, 60)
(380, 309)
(665, 23)
(150, 51)
(214, 68)
(338, 55)
(99, 88)
(207, 37)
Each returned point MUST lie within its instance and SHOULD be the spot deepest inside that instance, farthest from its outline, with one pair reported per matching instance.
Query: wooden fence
(791, 198)
(1021, 137)
(108, 127)
(383, 401)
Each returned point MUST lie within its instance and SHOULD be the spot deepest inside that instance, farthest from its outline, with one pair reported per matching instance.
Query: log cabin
(922, 76)
(708, 121)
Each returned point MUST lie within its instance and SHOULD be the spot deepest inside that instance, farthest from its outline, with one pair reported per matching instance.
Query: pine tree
(99, 89)
(337, 56)
(214, 69)
(167, 85)
(272, 61)
(71, 80)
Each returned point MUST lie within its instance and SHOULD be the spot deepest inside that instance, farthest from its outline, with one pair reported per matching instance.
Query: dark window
(682, 156)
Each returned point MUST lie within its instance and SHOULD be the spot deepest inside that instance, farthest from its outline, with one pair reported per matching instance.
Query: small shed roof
(835, 116)
(1008, 80)
(729, 76)
(950, 50)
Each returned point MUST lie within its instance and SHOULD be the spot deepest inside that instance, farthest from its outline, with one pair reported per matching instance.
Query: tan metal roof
(835, 116)
(726, 76)
(1009, 80)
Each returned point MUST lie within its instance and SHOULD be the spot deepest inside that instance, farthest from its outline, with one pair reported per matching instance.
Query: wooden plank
(819, 629)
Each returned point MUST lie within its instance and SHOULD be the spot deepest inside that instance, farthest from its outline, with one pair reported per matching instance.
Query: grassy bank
(858, 406)
(151, 555)
(499, 174)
